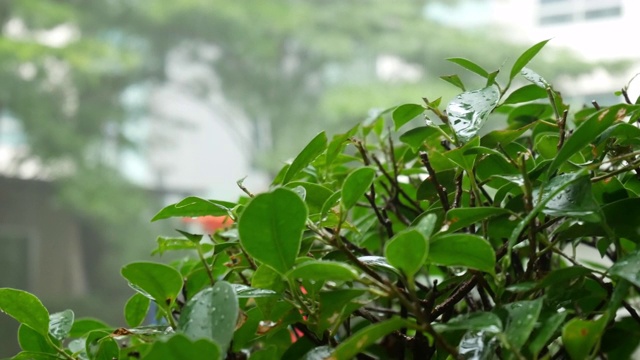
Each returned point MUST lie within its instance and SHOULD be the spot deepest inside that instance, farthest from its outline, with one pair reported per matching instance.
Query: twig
(442, 192)
(626, 96)
(562, 125)
(243, 188)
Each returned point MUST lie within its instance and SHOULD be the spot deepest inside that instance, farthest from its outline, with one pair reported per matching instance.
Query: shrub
(430, 242)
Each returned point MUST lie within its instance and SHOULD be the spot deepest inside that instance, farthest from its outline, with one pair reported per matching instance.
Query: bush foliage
(401, 239)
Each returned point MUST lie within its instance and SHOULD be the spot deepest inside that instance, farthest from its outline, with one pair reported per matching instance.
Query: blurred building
(597, 30)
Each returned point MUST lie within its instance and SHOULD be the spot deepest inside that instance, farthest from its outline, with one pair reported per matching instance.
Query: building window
(603, 13)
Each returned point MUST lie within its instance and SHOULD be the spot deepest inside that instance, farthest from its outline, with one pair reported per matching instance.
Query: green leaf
(359, 341)
(244, 291)
(271, 228)
(379, 263)
(31, 340)
(101, 346)
(537, 80)
(523, 316)
(334, 308)
(478, 321)
(84, 325)
(465, 250)
(547, 328)
(525, 94)
(426, 224)
(524, 59)
(318, 353)
(135, 310)
(179, 347)
(459, 218)
(310, 152)
(323, 270)
(355, 185)
(60, 324)
(628, 268)
(316, 195)
(586, 133)
(407, 251)
(337, 144)
(267, 278)
(575, 199)
(405, 113)
(454, 80)
(469, 65)
(211, 314)
(32, 355)
(194, 207)
(25, 308)
(468, 111)
(579, 337)
(416, 137)
(160, 282)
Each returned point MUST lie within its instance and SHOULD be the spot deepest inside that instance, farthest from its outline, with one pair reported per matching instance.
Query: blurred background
(111, 109)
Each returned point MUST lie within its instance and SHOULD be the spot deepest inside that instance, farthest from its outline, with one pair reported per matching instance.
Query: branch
(442, 192)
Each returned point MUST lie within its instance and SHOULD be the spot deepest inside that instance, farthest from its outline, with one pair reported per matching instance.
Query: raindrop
(458, 270)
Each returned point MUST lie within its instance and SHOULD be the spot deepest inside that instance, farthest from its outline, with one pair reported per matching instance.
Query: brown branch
(562, 129)
(442, 192)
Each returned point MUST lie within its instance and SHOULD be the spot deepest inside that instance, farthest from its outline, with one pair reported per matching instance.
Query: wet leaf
(407, 251)
(244, 291)
(468, 111)
(478, 345)
(628, 268)
(160, 282)
(323, 270)
(33, 355)
(26, 308)
(193, 206)
(574, 200)
(466, 250)
(478, 321)
(211, 314)
(271, 228)
(318, 353)
(84, 325)
(355, 185)
(315, 147)
(379, 263)
(522, 319)
(548, 327)
(536, 79)
(60, 324)
(587, 132)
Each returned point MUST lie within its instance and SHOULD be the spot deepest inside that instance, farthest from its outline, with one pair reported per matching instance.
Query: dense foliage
(400, 239)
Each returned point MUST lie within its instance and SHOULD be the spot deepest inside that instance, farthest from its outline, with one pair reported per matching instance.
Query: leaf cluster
(397, 241)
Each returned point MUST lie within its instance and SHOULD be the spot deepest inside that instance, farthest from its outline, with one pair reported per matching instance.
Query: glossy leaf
(574, 200)
(477, 344)
(265, 278)
(60, 324)
(526, 93)
(628, 268)
(454, 80)
(244, 291)
(135, 310)
(405, 113)
(33, 355)
(523, 316)
(271, 228)
(193, 206)
(407, 251)
(548, 327)
(362, 339)
(379, 263)
(524, 59)
(316, 195)
(586, 133)
(31, 340)
(469, 65)
(465, 250)
(318, 353)
(211, 314)
(161, 282)
(323, 270)
(468, 111)
(581, 336)
(478, 321)
(459, 218)
(313, 149)
(536, 79)
(179, 347)
(416, 137)
(355, 185)
(26, 308)
(426, 224)
(101, 346)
